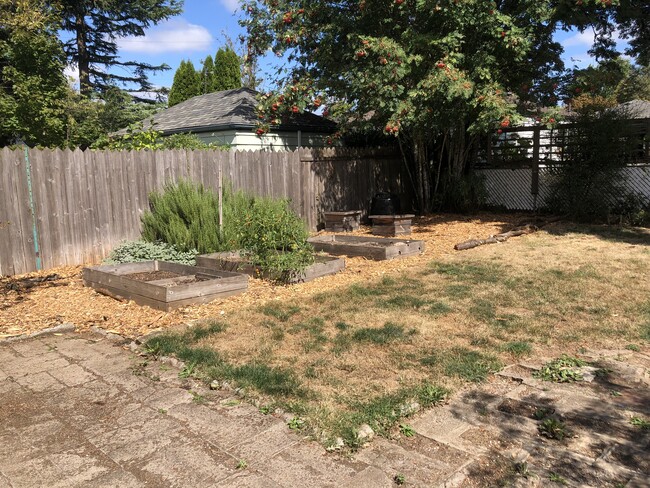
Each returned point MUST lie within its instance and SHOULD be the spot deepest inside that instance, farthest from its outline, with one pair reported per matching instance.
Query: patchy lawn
(375, 350)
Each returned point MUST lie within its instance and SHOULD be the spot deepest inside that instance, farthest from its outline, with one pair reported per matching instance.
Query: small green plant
(266, 409)
(406, 430)
(399, 479)
(543, 412)
(138, 251)
(197, 398)
(187, 371)
(522, 469)
(561, 370)
(553, 429)
(296, 423)
(640, 422)
(633, 347)
(241, 464)
(162, 411)
(275, 238)
(556, 478)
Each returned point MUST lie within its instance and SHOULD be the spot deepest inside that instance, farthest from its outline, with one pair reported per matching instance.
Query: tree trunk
(82, 55)
(423, 180)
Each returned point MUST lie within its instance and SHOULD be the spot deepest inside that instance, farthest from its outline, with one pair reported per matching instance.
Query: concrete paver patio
(80, 410)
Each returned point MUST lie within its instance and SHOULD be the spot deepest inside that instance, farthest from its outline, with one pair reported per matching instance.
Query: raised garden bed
(234, 261)
(376, 248)
(164, 286)
(347, 221)
(391, 225)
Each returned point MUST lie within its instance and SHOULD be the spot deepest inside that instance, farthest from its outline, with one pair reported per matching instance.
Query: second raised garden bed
(376, 248)
(162, 285)
(234, 261)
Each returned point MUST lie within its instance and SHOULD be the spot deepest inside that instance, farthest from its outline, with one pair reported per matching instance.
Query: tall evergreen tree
(227, 68)
(95, 26)
(32, 85)
(207, 76)
(186, 84)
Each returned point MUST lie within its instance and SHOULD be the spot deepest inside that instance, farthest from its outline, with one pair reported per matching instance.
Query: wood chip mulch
(36, 301)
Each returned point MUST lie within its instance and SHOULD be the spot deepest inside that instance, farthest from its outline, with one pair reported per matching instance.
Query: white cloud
(585, 38)
(176, 35)
(231, 5)
(71, 72)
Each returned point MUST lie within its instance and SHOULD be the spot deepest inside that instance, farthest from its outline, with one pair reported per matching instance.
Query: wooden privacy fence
(62, 207)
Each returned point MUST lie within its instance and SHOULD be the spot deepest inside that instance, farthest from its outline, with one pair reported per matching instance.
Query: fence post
(534, 181)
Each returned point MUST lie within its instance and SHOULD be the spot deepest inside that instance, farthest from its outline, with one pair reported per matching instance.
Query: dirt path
(80, 410)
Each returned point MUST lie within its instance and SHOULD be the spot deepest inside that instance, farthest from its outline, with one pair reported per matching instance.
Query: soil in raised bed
(152, 275)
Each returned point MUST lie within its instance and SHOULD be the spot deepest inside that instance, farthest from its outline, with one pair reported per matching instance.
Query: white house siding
(510, 188)
(275, 141)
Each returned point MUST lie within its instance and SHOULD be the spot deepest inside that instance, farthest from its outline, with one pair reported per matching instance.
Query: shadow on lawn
(627, 235)
(595, 442)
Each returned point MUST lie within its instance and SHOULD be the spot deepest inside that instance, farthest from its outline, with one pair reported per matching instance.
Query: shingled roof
(228, 109)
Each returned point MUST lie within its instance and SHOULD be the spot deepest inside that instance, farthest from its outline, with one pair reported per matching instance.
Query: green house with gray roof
(230, 117)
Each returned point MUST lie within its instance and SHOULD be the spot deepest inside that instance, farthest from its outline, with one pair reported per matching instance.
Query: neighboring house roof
(228, 109)
(637, 109)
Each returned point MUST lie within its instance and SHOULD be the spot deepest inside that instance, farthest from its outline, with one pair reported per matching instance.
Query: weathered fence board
(86, 202)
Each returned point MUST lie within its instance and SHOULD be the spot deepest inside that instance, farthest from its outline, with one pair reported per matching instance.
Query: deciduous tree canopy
(433, 73)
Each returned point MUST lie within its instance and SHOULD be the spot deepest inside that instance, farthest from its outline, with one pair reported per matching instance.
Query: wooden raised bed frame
(346, 221)
(233, 261)
(164, 294)
(391, 225)
(377, 248)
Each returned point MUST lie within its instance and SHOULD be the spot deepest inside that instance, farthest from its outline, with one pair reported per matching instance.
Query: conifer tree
(227, 68)
(95, 27)
(186, 84)
(207, 76)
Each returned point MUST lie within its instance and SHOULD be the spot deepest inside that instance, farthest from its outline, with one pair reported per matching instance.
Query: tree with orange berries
(435, 74)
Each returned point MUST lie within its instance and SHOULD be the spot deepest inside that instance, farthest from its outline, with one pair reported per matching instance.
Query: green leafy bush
(271, 235)
(275, 237)
(186, 215)
(136, 251)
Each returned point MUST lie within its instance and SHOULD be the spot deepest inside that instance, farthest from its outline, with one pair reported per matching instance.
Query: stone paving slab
(80, 410)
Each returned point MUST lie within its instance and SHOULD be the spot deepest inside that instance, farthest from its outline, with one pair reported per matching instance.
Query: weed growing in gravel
(556, 478)
(561, 370)
(406, 430)
(641, 423)
(553, 429)
(399, 479)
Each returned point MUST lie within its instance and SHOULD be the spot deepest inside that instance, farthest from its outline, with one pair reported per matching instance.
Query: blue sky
(204, 25)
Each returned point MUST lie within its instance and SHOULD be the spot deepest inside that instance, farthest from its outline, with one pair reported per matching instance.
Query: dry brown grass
(553, 292)
(380, 328)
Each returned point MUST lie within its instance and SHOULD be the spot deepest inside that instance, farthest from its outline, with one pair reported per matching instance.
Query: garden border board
(112, 280)
(233, 261)
(377, 248)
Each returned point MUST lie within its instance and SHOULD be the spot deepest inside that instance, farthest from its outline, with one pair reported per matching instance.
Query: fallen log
(517, 231)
